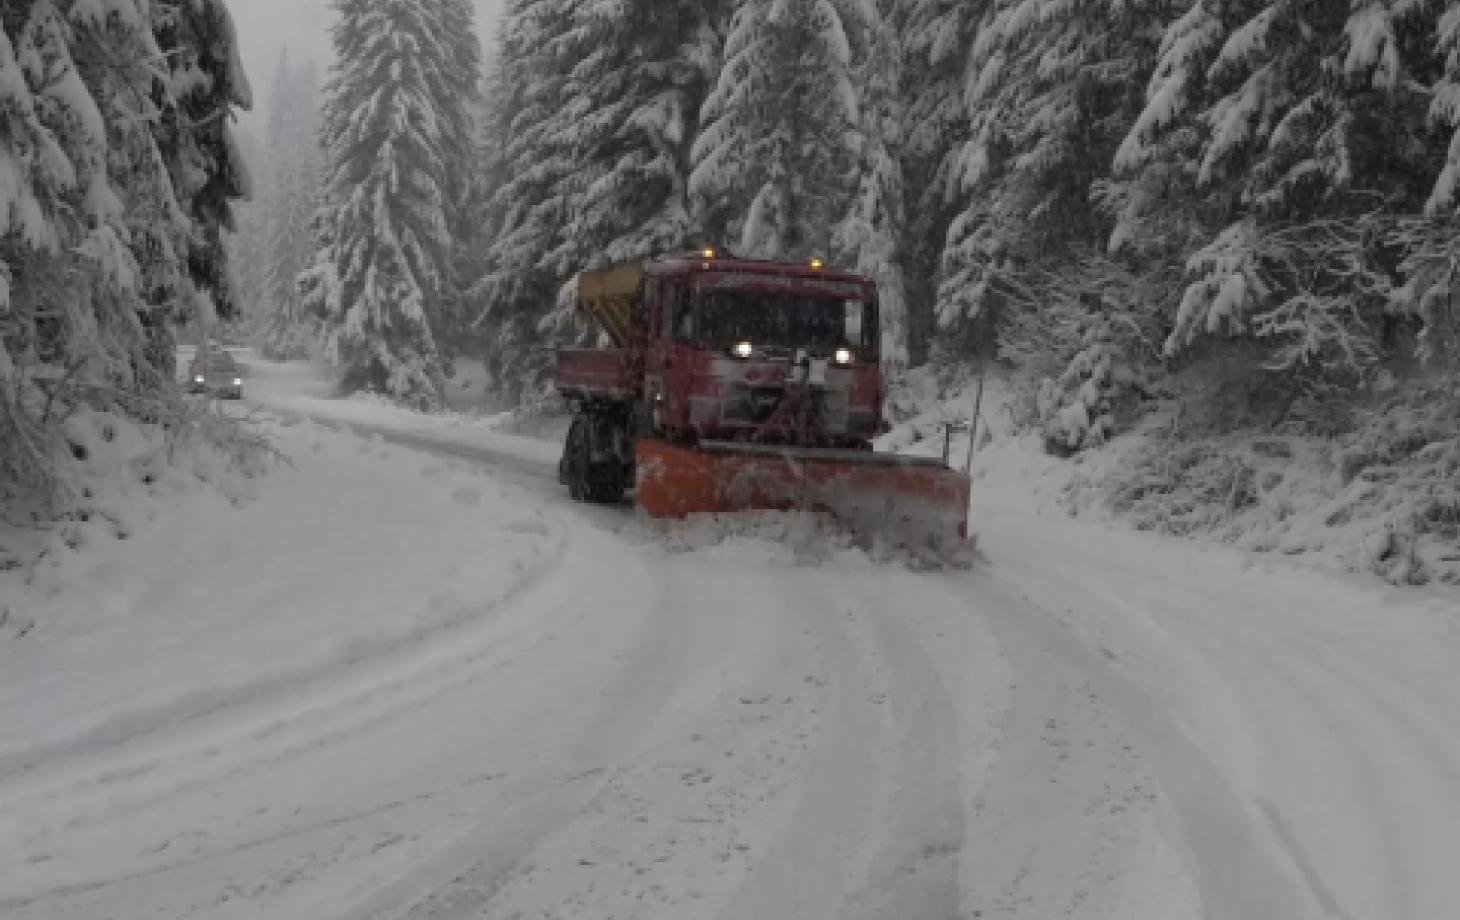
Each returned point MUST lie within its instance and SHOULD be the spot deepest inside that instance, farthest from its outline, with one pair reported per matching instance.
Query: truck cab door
(665, 301)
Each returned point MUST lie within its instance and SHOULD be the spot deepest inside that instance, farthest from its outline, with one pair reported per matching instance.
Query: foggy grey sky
(266, 26)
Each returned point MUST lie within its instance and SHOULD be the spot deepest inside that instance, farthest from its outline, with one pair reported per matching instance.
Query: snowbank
(117, 476)
(1384, 499)
(468, 390)
(296, 389)
(216, 600)
(374, 414)
(1010, 468)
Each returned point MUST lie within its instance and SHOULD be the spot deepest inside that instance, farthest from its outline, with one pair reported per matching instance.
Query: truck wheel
(574, 465)
(607, 486)
(602, 483)
(611, 476)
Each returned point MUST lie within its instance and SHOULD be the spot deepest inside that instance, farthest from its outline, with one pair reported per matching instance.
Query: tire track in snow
(446, 815)
(1060, 818)
(818, 846)
(678, 816)
(463, 880)
(915, 866)
(155, 723)
(1225, 844)
(809, 752)
(1346, 766)
(1308, 696)
(523, 471)
(266, 731)
(121, 738)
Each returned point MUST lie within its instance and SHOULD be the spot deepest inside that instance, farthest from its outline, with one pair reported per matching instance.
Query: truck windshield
(781, 321)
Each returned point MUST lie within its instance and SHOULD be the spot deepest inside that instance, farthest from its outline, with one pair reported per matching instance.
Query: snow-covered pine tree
(318, 286)
(1445, 113)
(117, 169)
(779, 139)
(248, 244)
(455, 33)
(935, 36)
(43, 170)
(1047, 91)
(978, 240)
(644, 92)
(870, 236)
(1043, 99)
(1152, 193)
(532, 150)
(290, 201)
(1432, 269)
(459, 132)
(1431, 289)
(638, 92)
(1306, 121)
(390, 117)
(486, 176)
(205, 78)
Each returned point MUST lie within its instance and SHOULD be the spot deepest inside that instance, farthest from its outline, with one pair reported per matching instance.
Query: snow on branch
(1083, 333)
(1316, 290)
(1445, 114)
(1184, 48)
(1431, 291)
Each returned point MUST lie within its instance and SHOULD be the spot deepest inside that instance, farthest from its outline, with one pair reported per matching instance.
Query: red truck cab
(707, 347)
(715, 349)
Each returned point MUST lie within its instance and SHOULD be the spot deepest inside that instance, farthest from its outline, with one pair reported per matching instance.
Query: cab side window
(675, 314)
(871, 329)
(651, 303)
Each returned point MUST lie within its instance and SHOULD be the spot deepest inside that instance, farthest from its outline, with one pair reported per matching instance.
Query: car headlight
(842, 356)
(742, 350)
(198, 378)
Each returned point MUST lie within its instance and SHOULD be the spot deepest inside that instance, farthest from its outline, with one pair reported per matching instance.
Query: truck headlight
(238, 381)
(742, 350)
(842, 356)
(198, 378)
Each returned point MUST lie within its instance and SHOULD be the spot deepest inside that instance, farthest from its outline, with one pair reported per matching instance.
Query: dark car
(220, 375)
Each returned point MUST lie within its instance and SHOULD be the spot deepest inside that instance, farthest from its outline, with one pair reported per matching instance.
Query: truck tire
(572, 467)
(601, 483)
(607, 488)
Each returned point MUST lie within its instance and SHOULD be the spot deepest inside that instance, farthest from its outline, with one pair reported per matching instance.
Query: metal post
(203, 335)
(973, 423)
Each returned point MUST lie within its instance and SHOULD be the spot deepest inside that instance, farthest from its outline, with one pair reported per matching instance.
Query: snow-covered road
(457, 694)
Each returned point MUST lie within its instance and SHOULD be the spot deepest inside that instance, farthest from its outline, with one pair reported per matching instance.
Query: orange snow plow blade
(916, 502)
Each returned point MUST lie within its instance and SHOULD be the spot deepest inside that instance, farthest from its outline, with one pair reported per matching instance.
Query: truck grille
(746, 403)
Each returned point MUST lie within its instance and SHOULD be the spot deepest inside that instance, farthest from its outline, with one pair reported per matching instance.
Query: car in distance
(219, 376)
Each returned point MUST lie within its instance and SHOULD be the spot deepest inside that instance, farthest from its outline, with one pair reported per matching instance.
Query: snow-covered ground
(413, 680)
(1381, 499)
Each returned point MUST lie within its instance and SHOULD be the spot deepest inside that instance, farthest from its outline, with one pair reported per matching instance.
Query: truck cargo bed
(595, 373)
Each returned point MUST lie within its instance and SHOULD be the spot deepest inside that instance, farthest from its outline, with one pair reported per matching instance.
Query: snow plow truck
(735, 384)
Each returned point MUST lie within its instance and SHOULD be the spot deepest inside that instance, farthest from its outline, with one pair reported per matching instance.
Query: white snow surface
(413, 680)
